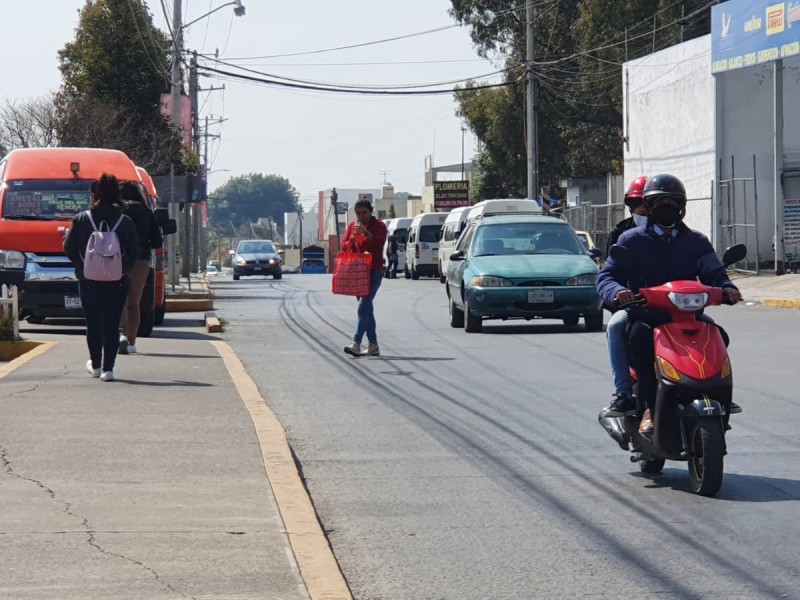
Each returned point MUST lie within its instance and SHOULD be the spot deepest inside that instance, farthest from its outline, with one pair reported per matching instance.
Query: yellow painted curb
(776, 303)
(189, 305)
(315, 559)
(40, 349)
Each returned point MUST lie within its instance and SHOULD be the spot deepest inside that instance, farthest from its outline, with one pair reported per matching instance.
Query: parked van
(399, 227)
(422, 248)
(454, 224)
(501, 207)
(41, 190)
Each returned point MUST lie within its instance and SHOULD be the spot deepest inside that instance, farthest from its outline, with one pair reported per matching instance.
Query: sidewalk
(779, 291)
(153, 486)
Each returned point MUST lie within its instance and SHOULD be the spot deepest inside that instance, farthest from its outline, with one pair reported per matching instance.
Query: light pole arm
(211, 12)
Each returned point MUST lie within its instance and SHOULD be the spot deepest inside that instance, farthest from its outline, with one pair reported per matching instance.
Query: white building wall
(291, 228)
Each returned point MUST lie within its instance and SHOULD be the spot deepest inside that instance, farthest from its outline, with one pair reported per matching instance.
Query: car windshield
(256, 248)
(430, 233)
(401, 235)
(525, 238)
(45, 200)
(584, 240)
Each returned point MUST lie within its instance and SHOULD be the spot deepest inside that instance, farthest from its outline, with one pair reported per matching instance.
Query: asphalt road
(472, 465)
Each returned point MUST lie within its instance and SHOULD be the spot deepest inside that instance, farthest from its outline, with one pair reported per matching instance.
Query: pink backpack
(103, 258)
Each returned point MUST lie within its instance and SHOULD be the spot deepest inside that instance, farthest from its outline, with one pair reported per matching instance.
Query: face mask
(639, 220)
(666, 216)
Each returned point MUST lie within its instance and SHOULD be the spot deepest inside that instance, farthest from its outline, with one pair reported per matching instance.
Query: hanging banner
(791, 229)
(186, 116)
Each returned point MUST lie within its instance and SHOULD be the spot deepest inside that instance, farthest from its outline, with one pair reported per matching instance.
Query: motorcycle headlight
(490, 281)
(688, 302)
(585, 279)
(12, 259)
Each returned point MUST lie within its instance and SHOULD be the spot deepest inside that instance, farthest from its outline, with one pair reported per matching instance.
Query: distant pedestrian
(391, 256)
(102, 300)
(149, 239)
(366, 234)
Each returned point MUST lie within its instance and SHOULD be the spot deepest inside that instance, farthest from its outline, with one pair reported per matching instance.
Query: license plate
(541, 297)
(256, 268)
(72, 302)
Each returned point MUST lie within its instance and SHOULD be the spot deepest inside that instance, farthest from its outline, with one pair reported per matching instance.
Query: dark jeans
(366, 311)
(102, 304)
(391, 266)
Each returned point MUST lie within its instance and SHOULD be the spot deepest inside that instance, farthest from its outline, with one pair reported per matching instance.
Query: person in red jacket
(366, 234)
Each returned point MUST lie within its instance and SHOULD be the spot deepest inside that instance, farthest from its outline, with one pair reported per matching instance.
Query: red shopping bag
(351, 274)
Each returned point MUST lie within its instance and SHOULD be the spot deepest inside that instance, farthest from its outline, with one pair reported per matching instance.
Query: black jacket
(618, 230)
(146, 228)
(78, 236)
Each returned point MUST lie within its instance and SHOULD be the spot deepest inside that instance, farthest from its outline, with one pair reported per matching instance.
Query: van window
(45, 200)
(430, 233)
(447, 232)
(401, 234)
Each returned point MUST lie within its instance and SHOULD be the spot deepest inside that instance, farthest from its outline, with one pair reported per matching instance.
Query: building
(292, 226)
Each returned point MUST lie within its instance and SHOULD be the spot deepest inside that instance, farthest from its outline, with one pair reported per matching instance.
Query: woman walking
(366, 234)
(102, 300)
(149, 239)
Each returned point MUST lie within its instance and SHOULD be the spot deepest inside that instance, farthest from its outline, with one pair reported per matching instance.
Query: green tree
(247, 198)
(113, 75)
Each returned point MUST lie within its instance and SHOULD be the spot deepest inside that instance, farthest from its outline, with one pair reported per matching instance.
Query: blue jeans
(366, 311)
(618, 351)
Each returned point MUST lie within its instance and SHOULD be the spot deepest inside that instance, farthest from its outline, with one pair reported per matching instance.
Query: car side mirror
(170, 227)
(734, 254)
(162, 216)
(456, 256)
(231, 252)
(596, 253)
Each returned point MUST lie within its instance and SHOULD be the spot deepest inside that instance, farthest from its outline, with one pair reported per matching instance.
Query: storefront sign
(450, 194)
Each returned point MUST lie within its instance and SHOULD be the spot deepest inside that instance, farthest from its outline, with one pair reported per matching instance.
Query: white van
(398, 227)
(500, 207)
(422, 249)
(454, 224)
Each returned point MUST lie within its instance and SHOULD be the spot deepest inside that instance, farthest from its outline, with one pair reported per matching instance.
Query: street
(472, 465)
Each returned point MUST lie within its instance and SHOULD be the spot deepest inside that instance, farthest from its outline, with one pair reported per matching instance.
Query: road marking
(315, 559)
(15, 364)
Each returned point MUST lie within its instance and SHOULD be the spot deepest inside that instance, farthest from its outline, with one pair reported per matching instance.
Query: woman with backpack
(103, 245)
(149, 239)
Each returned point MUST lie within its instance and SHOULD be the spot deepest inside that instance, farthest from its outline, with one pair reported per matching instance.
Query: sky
(316, 140)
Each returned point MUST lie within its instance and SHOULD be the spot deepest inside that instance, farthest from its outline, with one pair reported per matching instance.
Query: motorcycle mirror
(619, 253)
(734, 254)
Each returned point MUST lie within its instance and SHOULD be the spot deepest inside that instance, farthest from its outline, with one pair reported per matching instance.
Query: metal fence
(597, 219)
(738, 215)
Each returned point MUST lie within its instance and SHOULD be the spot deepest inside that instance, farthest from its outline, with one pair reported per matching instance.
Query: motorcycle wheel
(706, 459)
(652, 467)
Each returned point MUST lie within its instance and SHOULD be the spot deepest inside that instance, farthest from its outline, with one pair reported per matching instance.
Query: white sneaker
(372, 350)
(353, 349)
(123, 344)
(92, 371)
(107, 376)
(132, 349)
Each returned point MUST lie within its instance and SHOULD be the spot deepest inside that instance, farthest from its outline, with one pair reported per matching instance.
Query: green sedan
(522, 267)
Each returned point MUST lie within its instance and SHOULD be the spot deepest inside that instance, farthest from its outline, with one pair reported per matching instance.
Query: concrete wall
(291, 228)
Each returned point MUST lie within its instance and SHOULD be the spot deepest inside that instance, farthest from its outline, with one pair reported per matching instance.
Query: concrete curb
(779, 303)
(213, 324)
(189, 304)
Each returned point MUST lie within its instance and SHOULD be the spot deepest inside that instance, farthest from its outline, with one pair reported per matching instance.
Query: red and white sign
(186, 116)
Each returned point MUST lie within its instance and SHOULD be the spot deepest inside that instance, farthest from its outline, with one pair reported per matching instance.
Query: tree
(247, 198)
(392, 211)
(28, 124)
(114, 72)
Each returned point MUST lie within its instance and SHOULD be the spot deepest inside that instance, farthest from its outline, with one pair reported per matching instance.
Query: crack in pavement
(64, 371)
(90, 533)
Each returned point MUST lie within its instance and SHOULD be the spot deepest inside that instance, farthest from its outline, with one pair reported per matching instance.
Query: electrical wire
(160, 69)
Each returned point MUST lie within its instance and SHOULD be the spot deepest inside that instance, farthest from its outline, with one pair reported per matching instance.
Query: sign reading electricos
(450, 194)
(745, 33)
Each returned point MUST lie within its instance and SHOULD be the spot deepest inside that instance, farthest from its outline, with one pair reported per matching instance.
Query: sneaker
(132, 349)
(372, 350)
(353, 349)
(107, 376)
(92, 371)
(622, 405)
(735, 408)
(123, 344)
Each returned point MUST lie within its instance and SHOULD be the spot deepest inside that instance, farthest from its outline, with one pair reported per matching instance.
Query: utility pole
(189, 210)
(300, 219)
(175, 93)
(335, 204)
(533, 149)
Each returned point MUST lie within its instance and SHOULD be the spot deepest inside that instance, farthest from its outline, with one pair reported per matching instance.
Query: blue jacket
(687, 256)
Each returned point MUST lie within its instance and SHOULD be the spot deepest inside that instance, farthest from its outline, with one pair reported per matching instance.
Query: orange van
(41, 189)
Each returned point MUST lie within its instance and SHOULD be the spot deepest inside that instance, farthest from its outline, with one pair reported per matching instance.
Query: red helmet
(633, 197)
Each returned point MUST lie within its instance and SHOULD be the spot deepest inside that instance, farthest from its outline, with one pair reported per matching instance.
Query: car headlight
(585, 279)
(490, 281)
(688, 302)
(272, 261)
(239, 260)
(12, 259)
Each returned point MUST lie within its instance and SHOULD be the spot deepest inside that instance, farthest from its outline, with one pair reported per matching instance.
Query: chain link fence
(738, 215)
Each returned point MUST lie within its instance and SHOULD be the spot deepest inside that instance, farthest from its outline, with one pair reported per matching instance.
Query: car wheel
(571, 321)
(472, 323)
(406, 273)
(236, 277)
(593, 322)
(442, 276)
(159, 313)
(277, 276)
(35, 320)
(414, 274)
(146, 322)
(456, 315)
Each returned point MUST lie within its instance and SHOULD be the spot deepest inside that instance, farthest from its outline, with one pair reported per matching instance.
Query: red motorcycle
(693, 402)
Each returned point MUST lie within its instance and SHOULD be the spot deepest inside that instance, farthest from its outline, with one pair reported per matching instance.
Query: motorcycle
(695, 386)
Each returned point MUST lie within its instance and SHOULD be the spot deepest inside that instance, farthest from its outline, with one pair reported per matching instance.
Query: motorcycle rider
(623, 402)
(664, 250)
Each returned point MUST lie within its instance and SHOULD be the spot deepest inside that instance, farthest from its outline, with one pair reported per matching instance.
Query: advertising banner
(186, 116)
(791, 229)
(745, 33)
(450, 194)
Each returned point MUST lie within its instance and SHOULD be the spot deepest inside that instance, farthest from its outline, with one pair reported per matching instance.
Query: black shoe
(735, 409)
(622, 405)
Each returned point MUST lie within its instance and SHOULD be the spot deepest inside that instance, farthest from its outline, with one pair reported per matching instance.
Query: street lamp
(238, 10)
